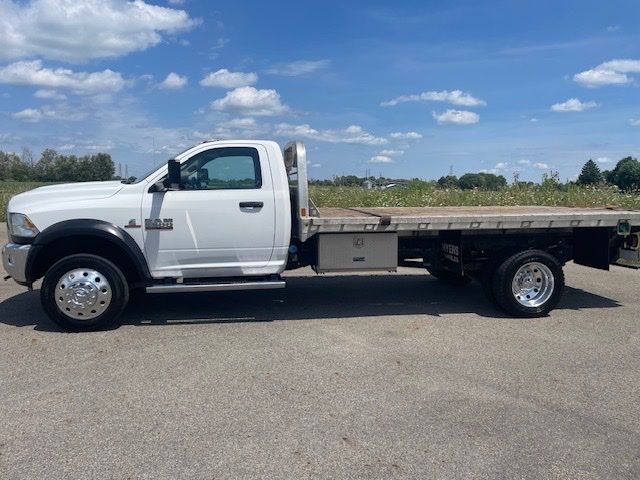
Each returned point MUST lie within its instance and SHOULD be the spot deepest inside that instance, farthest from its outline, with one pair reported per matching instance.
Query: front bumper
(14, 260)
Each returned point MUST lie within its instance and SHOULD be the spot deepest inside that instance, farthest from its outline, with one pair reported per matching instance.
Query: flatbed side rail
(522, 221)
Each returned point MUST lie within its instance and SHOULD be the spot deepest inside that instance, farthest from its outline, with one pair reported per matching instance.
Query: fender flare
(92, 228)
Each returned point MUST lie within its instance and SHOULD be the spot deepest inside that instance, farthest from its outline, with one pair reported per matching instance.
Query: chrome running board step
(216, 287)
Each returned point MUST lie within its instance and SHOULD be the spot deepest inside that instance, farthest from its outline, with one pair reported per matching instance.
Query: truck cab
(230, 215)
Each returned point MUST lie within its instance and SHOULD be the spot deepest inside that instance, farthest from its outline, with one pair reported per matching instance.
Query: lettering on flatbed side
(158, 224)
(451, 252)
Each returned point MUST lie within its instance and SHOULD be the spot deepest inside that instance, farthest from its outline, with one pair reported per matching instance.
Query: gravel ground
(376, 376)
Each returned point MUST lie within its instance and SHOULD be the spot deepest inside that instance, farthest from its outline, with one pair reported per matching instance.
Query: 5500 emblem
(158, 224)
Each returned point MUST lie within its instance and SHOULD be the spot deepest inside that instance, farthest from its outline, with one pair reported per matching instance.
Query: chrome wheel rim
(83, 294)
(533, 284)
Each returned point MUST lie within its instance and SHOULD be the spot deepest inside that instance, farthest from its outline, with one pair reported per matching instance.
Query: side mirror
(174, 174)
(158, 187)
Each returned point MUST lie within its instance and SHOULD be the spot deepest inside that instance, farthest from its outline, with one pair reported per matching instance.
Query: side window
(222, 169)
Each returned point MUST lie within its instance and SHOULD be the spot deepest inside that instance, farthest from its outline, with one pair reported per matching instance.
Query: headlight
(21, 226)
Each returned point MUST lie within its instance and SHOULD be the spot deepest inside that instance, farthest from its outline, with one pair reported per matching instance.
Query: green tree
(628, 176)
(66, 168)
(482, 181)
(625, 174)
(45, 168)
(450, 181)
(101, 167)
(590, 174)
(493, 182)
(13, 168)
(4, 164)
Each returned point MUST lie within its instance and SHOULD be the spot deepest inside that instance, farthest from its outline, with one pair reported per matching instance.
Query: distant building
(367, 184)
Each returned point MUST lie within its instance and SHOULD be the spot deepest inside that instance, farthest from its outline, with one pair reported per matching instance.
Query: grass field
(428, 196)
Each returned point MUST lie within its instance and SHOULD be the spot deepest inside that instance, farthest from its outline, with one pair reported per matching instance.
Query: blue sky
(406, 89)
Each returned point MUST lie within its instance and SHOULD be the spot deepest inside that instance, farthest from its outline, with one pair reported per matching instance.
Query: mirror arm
(172, 183)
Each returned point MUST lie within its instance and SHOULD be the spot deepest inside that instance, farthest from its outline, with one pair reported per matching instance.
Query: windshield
(133, 180)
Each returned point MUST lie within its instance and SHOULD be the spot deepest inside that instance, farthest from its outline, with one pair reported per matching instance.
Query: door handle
(251, 204)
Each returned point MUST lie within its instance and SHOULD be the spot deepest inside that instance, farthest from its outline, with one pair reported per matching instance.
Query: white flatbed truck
(235, 214)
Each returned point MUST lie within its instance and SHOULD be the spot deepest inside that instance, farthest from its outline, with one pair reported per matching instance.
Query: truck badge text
(158, 224)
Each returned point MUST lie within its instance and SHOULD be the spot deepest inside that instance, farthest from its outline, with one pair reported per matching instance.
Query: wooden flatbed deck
(396, 219)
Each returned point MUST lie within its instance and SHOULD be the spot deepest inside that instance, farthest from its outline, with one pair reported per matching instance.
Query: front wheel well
(63, 247)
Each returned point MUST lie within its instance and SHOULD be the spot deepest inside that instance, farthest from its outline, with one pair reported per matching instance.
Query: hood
(23, 202)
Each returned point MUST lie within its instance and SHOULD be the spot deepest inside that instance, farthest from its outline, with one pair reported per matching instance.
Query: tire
(528, 284)
(449, 277)
(84, 292)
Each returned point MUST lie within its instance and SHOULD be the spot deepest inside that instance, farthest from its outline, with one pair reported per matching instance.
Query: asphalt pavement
(346, 376)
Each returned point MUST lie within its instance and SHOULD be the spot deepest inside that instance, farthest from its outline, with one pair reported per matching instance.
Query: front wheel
(528, 284)
(84, 292)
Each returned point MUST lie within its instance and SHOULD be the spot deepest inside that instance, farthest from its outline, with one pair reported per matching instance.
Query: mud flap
(450, 251)
(592, 247)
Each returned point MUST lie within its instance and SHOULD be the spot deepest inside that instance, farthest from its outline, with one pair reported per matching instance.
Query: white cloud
(458, 117)
(603, 160)
(613, 72)
(173, 82)
(391, 153)
(299, 68)
(316, 165)
(501, 165)
(406, 136)
(541, 166)
(246, 127)
(622, 65)
(524, 162)
(28, 115)
(634, 122)
(573, 105)
(533, 120)
(78, 31)
(251, 101)
(176, 2)
(246, 122)
(455, 97)
(49, 94)
(353, 134)
(223, 78)
(65, 147)
(220, 43)
(380, 159)
(598, 78)
(32, 73)
(63, 112)
(613, 28)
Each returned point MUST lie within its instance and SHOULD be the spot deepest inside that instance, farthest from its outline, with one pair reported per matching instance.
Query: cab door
(222, 220)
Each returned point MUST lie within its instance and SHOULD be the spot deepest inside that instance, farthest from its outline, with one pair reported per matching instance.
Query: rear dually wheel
(528, 284)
